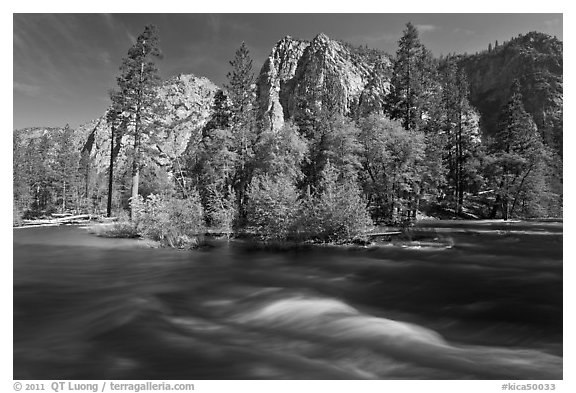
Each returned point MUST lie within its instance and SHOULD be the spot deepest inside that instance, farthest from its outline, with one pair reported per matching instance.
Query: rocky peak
(300, 74)
(278, 68)
(321, 38)
(321, 43)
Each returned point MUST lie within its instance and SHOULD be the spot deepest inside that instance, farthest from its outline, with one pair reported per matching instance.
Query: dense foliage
(326, 174)
(337, 211)
(272, 206)
(174, 222)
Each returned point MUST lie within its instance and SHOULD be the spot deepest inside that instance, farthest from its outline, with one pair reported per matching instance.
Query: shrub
(119, 229)
(172, 221)
(337, 213)
(221, 209)
(272, 206)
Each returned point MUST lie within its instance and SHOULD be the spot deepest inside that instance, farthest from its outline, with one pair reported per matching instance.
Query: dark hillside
(535, 59)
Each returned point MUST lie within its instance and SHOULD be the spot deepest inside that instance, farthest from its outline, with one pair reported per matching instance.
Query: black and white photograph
(287, 196)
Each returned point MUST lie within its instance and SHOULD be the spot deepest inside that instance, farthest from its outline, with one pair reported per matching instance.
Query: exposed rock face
(278, 69)
(535, 59)
(26, 134)
(188, 101)
(299, 75)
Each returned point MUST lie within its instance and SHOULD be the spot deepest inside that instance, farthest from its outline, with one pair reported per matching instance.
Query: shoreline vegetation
(166, 234)
(328, 174)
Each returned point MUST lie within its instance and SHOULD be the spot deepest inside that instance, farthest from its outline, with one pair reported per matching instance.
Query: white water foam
(335, 322)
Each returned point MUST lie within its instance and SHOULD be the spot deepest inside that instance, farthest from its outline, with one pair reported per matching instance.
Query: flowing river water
(461, 300)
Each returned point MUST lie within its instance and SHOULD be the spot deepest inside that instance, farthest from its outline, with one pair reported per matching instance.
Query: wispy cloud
(58, 57)
(214, 23)
(105, 57)
(426, 28)
(460, 30)
(552, 23)
(27, 89)
(109, 20)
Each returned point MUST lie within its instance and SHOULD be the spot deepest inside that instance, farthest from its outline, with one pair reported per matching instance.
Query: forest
(421, 150)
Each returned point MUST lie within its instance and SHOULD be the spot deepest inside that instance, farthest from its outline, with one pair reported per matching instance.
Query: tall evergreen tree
(459, 123)
(66, 162)
(240, 80)
(39, 153)
(20, 174)
(137, 92)
(242, 122)
(117, 122)
(514, 154)
(412, 73)
(221, 114)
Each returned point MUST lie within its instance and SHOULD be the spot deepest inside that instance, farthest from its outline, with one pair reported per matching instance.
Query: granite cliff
(301, 76)
(187, 100)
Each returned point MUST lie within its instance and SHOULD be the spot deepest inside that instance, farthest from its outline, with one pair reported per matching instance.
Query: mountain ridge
(300, 75)
(536, 60)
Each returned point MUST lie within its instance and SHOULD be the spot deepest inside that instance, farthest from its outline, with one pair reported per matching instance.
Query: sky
(65, 64)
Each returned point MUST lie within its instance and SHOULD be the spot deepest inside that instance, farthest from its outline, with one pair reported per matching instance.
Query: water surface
(463, 300)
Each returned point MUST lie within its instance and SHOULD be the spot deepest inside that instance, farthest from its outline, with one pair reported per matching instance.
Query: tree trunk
(520, 188)
(505, 209)
(135, 167)
(135, 181)
(459, 165)
(495, 207)
(64, 198)
(408, 98)
(87, 178)
(136, 162)
(111, 175)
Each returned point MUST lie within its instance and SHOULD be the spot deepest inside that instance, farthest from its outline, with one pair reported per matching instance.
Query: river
(461, 300)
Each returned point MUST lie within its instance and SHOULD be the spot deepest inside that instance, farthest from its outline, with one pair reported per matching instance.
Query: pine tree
(515, 153)
(117, 122)
(40, 159)
(210, 165)
(459, 124)
(412, 75)
(20, 175)
(137, 92)
(66, 162)
(240, 80)
(242, 122)
(221, 114)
